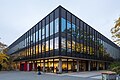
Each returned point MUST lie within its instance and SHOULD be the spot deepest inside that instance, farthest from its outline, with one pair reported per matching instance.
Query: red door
(30, 66)
(25, 66)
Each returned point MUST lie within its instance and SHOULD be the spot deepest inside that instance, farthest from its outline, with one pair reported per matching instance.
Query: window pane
(43, 33)
(63, 24)
(73, 30)
(68, 27)
(39, 48)
(47, 46)
(56, 25)
(56, 43)
(33, 37)
(63, 44)
(51, 44)
(39, 34)
(51, 28)
(47, 30)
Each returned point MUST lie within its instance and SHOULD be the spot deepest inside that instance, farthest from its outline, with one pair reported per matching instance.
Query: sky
(18, 16)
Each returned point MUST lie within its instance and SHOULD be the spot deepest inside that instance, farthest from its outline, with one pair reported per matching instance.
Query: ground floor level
(62, 65)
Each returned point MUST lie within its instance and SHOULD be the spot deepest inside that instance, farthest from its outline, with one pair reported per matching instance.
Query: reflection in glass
(68, 27)
(63, 21)
(73, 31)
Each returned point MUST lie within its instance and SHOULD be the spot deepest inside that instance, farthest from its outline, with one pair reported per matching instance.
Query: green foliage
(116, 32)
(115, 66)
(4, 59)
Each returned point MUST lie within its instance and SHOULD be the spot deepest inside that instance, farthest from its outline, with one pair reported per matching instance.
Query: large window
(69, 36)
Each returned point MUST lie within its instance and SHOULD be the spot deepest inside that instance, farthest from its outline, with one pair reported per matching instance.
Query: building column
(27, 66)
(60, 65)
(33, 67)
(77, 65)
(16, 67)
(89, 65)
(97, 66)
(43, 65)
(104, 64)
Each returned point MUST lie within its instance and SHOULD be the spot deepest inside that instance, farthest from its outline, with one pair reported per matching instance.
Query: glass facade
(62, 34)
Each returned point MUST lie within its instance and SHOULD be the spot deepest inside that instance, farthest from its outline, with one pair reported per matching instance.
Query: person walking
(39, 73)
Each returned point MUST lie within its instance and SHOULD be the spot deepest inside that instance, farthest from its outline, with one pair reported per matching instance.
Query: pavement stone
(21, 75)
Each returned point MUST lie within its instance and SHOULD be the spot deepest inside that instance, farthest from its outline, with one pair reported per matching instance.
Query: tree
(115, 66)
(3, 61)
(116, 32)
(4, 58)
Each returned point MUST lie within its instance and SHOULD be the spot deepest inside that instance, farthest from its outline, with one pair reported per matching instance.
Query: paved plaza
(21, 75)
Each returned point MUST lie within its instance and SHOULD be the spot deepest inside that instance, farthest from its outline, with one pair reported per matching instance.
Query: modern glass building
(61, 42)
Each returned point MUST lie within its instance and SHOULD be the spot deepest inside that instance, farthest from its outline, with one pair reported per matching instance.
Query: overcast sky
(18, 16)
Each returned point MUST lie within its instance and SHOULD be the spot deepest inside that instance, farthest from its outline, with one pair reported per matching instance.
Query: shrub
(115, 66)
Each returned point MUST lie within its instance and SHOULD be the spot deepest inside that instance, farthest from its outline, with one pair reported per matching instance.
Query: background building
(62, 42)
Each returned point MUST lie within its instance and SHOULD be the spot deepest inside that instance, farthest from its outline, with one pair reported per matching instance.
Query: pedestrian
(39, 73)
(56, 70)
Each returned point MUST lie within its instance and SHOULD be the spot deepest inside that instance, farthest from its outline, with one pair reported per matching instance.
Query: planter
(109, 76)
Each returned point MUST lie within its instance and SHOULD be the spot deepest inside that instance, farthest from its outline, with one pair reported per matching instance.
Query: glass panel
(47, 31)
(51, 28)
(56, 43)
(39, 34)
(51, 44)
(56, 25)
(63, 44)
(43, 47)
(68, 27)
(47, 46)
(63, 21)
(39, 48)
(33, 37)
(43, 33)
(68, 36)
